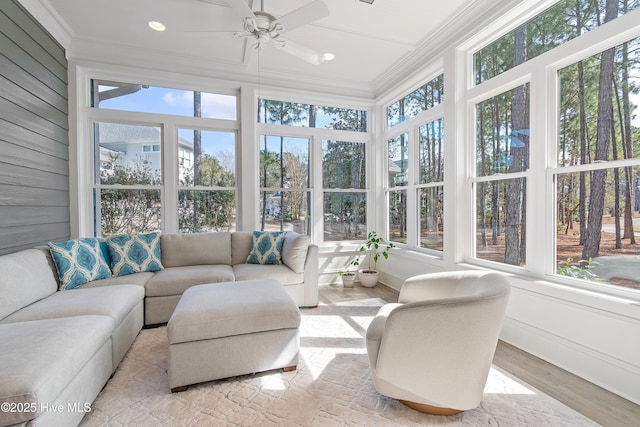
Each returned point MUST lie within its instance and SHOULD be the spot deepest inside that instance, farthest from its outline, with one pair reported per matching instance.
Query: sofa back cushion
(240, 246)
(294, 251)
(180, 250)
(25, 277)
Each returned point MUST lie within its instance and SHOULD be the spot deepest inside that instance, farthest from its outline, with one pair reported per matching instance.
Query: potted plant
(375, 247)
(348, 278)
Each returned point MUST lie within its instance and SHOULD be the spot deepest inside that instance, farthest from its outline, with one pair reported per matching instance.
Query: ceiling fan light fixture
(157, 26)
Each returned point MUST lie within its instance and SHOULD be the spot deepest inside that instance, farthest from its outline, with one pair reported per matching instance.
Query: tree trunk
(514, 209)
(591, 247)
(627, 146)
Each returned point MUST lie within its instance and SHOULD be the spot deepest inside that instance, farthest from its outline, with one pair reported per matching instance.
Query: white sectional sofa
(59, 347)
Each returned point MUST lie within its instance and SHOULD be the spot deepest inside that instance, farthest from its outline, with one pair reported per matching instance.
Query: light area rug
(331, 387)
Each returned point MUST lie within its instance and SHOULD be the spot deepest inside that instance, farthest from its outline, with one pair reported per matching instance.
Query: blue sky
(180, 103)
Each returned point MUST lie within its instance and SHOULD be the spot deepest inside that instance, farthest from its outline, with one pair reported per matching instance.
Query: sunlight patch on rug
(331, 387)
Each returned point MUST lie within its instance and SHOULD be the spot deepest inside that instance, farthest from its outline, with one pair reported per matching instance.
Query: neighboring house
(133, 146)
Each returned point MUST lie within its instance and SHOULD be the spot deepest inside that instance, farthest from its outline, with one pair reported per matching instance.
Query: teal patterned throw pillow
(78, 262)
(266, 247)
(134, 253)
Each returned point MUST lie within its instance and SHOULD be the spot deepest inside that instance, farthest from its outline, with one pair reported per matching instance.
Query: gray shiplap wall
(34, 133)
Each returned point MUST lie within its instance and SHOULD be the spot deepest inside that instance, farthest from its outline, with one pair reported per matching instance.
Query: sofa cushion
(175, 280)
(266, 248)
(115, 302)
(179, 250)
(281, 273)
(25, 277)
(134, 253)
(78, 262)
(139, 279)
(240, 246)
(39, 358)
(294, 251)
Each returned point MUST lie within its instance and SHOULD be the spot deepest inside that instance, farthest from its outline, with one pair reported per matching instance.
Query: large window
(598, 204)
(414, 162)
(580, 145)
(284, 183)
(206, 195)
(502, 156)
(133, 189)
(338, 138)
(431, 185)
(344, 187)
(128, 179)
(398, 181)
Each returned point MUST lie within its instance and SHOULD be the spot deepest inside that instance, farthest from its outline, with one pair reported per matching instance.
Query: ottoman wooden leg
(290, 368)
(179, 389)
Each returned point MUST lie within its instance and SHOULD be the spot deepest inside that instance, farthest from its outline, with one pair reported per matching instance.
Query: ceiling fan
(266, 29)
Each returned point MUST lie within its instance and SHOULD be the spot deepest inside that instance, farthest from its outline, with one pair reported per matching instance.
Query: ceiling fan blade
(241, 9)
(303, 15)
(302, 52)
(205, 32)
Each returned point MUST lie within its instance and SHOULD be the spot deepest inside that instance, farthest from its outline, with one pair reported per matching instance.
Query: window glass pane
(560, 23)
(588, 131)
(284, 162)
(501, 219)
(125, 155)
(598, 225)
(431, 154)
(421, 99)
(285, 210)
(314, 116)
(398, 216)
(398, 161)
(431, 217)
(201, 211)
(127, 211)
(502, 144)
(345, 216)
(284, 165)
(343, 164)
(216, 163)
(154, 99)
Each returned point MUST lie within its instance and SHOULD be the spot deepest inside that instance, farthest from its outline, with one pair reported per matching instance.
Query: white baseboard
(607, 372)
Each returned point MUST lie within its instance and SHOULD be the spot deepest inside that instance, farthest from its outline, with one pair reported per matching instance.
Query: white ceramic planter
(368, 278)
(348, 279)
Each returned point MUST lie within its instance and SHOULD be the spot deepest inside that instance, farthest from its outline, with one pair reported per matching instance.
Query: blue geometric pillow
(266, 247)
(134, 253)
(78, 262)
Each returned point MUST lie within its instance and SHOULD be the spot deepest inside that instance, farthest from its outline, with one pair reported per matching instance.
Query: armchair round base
(431, 410)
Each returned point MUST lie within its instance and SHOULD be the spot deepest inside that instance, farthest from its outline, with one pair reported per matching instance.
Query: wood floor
(596, 403)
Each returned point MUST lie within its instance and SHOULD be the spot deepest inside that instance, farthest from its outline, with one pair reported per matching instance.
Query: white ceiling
(371, 43)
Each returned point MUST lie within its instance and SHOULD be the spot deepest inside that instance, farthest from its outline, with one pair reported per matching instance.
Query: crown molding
(467, 22)
(46, 15)
(99, 52)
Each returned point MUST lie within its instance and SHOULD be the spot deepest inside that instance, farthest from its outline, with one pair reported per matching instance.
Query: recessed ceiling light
(156, 25)
(328, 57)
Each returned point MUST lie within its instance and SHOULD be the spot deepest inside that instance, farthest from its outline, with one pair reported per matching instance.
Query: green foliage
(579, 270)
(374, 248)
(130, 210)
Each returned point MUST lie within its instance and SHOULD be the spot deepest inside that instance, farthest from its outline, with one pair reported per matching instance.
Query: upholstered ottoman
(221, 330)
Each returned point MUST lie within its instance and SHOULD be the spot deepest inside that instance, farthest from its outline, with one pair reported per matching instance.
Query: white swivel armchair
(433, 349)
